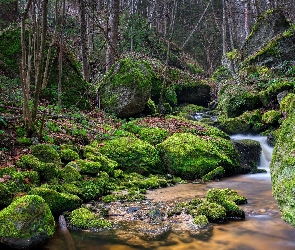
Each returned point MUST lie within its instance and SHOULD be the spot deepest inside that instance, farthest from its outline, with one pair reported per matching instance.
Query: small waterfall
(266, 153)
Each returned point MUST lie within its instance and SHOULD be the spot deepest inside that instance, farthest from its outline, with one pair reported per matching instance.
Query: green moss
(126, 73)
(132, 155)
(84, 219)
(86, 166)
(29, 162)
(32, 177)
(201, 221)
(93, 188)
(27, 217)
(58, 202)
(249, 121)
(49, 172)
(213, 211)
(70, 174)
(288, 103)
(271, 117)
(216, 173)
(151, 107)
(92, 154)
(46, 153)
(67, 155)
(152, 135)
(228, 199)
(282, 169)
(191, 157)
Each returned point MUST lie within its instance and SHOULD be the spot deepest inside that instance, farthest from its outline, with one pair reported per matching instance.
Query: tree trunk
(111, 53)
(84, 49)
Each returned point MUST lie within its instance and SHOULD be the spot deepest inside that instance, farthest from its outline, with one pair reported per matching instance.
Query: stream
(262, 228)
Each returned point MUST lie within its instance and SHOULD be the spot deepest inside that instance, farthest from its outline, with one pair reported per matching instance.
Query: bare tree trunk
(164, 84)
(83, 29)
(246, 19)
(59, 87)
(195, 28)
(230, 24)
(111, 53)
(224, 45)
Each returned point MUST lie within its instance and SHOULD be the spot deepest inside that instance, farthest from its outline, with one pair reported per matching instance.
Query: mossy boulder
(86, 166)
(250, 152)
(190, 156)
(248, 122)
(46, 153)
(228, 199)
(67, 155)
(58, 202)
(235, 99)
(93, 188)
(127, 87)
(29, 162)
(213, 211)
(287, 105)
(271, 117)
(82, 218)
(12, 183)
(26, 223)
(215, 174)
(70, 174)
(282, 169)
(131, 154)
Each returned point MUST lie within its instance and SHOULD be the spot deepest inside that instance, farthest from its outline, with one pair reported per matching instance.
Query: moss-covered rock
(82, 218)
(12, 183)
(46, 153)
(215, 174)
(93, 188)
(127, 87)
(271, 117)
(29, 162)
(248, 122)
(250, 152)
(228, 199)
(287, 105)
(67, 155)
(190, 156)
(282, 169)
(70, 174)
(86, 166)
(58, 202)
(132, 154)
(213, 211)
(26, 223)
(201, 221)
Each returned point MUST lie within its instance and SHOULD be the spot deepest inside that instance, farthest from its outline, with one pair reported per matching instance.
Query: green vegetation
(83, 218)
(190, 156)
(20, 212)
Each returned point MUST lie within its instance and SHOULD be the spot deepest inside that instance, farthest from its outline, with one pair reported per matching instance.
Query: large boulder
(127, 87)
(58, 202)
(131, 154)
(26, 223)
(190, 156)
(250, 151)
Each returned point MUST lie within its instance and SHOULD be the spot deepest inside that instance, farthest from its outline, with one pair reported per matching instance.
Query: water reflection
(262, 229)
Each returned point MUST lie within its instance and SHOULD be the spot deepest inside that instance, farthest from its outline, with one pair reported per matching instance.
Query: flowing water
(262, 228)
